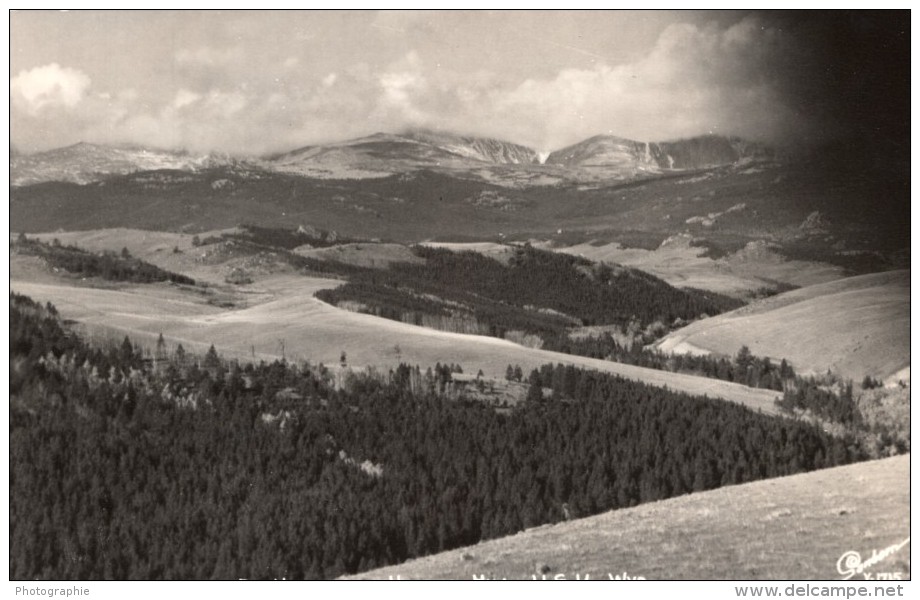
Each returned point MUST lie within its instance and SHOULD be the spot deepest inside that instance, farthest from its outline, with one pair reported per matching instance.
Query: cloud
(222, 105)
(754, 78)
(207, 56)
(695, 80)
(48, 86)
(184, 98)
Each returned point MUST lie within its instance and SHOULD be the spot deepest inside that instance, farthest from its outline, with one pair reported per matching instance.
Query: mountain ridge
(383, 154)
(687, 153)
(85, 162)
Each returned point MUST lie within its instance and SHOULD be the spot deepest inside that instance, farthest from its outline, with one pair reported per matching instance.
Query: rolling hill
(855, 326)
(83, 163)
(683, 260)
(795, 527)
(727, 208)
(384, 154)
(279, 316)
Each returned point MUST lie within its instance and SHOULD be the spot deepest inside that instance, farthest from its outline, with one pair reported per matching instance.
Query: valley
(709, 274)
(285, 312)
(459, 295)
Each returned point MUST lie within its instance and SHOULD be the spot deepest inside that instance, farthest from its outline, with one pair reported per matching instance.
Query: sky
(252, 82)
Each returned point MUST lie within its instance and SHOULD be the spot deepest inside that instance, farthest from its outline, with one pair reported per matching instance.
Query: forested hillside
(181, 467)
(105, 265)
(538, 292)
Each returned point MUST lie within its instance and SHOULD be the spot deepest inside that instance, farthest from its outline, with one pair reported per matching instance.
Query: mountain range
(416, 185)
(384, 154)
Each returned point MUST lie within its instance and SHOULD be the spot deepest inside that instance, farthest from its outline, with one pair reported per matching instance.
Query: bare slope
(856, 326)
(281, 311)
(739, 274)
(382, 154)
(794, 527)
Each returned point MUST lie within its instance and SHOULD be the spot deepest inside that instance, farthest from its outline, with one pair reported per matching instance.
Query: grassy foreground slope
(856, 326)
(793, 527)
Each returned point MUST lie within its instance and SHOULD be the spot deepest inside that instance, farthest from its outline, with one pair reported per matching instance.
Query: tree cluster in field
(287, 239)
(823, 401)
(178, 468)
(106, 265)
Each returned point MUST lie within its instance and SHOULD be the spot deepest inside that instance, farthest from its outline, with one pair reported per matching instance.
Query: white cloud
(694, 80)
(185, 98)
(48, 86)
(225, 104)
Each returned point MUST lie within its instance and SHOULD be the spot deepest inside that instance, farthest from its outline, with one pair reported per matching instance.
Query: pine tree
(535, 391)
(211, 360)
(161, 348)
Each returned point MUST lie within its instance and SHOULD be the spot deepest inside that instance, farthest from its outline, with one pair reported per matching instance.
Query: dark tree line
(189, 469)
(106, 265)
(744, 368)
(538, 292)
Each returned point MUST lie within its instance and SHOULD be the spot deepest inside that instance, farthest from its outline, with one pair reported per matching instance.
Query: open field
(283, 311)
(794, 527)
(856, 326)
(683, 265)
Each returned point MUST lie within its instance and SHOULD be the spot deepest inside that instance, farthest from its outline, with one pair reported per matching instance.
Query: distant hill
(606, 151)
(855, 327)
(83, 163)
(795, 527)
(629, 157)
(383, 154)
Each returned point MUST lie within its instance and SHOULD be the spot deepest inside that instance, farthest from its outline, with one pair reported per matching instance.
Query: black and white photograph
(467, 295)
